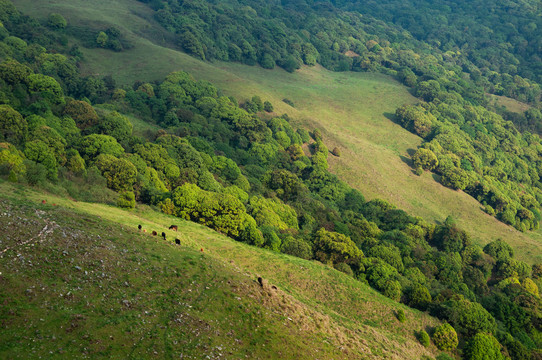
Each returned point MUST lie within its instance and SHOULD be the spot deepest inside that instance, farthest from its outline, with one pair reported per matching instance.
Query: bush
(444, 356)
(344, 268)
(483, 347)
(401, 315)
(36, 174)
(445, 337)
(126, 200)
(297, 247)
(288, 101)
(336, 152)
(424, 339)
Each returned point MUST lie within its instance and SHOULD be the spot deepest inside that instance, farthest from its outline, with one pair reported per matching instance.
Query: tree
(95, 144)
(428, 90)
(221, 212)
(56, 21)
(424, 339)
(12, 72)
(13, 127)
(445, 337)
(425, 159)
(483, 347)
(499, 250)
(418, 297)
(47, 87)
(267, 106)
(121, 174)
(332, 248)
(102, 39)
(11, 160)
(116, 125)
(39, 152)
(126, 200)
(82, 112)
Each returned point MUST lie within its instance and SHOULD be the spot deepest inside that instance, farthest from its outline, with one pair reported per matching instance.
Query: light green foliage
(401, 315)
(13, 127)
(424, 338)
(96, 144)
(221, 212)
(53, 140)
(126, 200)
(76, 163)
(483, 347)
(116, 125)
(102, 39)
(12, 160)
(530, 286)
(236, 192)
(445, 337)
(425, 159)
(120, 173)
(56, 21)
(272, 212)
(332, 248)
(389, 253)
(47, 87)
(39, 152)
(225, 168)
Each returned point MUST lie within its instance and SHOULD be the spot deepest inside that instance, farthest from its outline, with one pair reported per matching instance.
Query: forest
(236, 166)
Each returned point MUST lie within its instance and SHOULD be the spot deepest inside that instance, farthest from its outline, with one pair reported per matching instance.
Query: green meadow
(84, 282)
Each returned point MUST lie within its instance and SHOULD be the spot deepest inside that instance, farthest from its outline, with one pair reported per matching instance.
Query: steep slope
(79, 280)
(353, 110)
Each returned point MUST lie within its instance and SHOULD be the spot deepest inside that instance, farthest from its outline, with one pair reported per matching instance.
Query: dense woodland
(244, 171)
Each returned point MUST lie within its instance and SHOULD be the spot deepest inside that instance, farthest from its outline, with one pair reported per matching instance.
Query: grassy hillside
(352, 109)
(83, 282)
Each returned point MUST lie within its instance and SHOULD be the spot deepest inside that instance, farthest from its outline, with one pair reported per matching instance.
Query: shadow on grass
(391, 117)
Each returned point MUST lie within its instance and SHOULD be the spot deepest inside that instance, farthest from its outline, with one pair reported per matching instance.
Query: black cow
(177, 241)
(164, 235)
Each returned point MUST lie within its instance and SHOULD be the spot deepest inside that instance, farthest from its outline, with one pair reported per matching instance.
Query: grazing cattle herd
(154, 233)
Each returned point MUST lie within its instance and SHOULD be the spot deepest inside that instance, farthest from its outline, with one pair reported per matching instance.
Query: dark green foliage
(13, 127)
(499, 250)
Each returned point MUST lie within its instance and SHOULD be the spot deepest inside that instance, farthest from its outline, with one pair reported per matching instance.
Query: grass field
(354, 111)
(79, 281)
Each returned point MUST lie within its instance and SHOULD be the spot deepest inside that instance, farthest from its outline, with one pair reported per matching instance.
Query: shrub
(288, 101)
(126, 200)
(336, 151)
(400, 314)
(344, 268)
(445, 337)
(483, 347)
(297, 247)
(424, 339)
